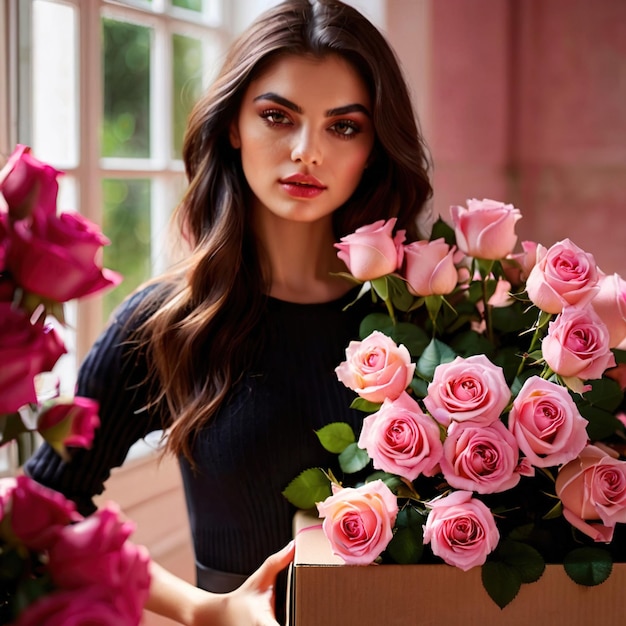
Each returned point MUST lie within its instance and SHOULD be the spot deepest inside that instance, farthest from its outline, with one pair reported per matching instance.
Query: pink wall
(528, 105)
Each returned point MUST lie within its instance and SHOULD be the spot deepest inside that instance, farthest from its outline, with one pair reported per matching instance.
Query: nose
(306, 148)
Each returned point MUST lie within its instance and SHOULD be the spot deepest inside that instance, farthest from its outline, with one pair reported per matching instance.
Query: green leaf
(364, 405)
(501, 581)
(434, 355)
(605, 394)
(588, 566)
(406, 545)
(308, 488)
(620, 355)
(601, 424)
(419, 387)
(336, 437)
(524, 558)
(375, 321)
(11, 426)
(381, 287)
(353, 459)
(470, 343)
(392, 481)
(443, 229)
(400, 296)
(411, 336)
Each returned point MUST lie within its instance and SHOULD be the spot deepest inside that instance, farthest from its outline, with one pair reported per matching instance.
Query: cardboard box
(325, 592)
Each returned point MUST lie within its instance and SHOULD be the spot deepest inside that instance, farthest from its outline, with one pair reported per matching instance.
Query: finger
(265, 576)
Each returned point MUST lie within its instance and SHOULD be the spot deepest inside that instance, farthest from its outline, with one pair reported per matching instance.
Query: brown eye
(345, 128)
(275, 118)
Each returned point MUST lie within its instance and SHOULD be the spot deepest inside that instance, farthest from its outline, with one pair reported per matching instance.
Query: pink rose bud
(429, 268)
(25, 350)
(401, 439)
(470, 389)
(592, 489)
(372, 251)
(39, 514)
(546, 423)
(358, 522)
(69, 423)
(486, 228)
(28, 184)
(610, 305)
(461, 530)
(376, 368)
(517, 267)
(577, 344)
(563, 275)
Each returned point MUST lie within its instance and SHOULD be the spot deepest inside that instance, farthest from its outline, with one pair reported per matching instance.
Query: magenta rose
(610, 305)
(564, 275)
(4, 240)
(401, 439)
(486, 228)
(28, 184)
(25, 350)
(592, 489)
(546, 423)
(483, 459)
(88, 606)
(577, 344)
(96, 551)
(39, 514)
(461, 530)
(376, 368)
(470, 389)
(372, 251)
(429, 268)
(56, 257)
(70, 423)
(358, 522)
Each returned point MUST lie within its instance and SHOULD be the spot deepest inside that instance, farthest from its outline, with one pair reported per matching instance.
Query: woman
(307, 133)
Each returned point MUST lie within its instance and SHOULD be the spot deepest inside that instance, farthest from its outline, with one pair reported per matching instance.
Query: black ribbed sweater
(261, 438)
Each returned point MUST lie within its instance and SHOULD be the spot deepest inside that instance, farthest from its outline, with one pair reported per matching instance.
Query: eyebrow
(348, 108)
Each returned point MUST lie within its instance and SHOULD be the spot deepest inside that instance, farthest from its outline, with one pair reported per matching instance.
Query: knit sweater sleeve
(113, 373)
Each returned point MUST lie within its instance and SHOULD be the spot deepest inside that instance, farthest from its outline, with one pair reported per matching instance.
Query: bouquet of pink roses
(56, 567)
(493, 387)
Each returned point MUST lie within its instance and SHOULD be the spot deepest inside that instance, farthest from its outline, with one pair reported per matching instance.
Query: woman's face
(305, 133)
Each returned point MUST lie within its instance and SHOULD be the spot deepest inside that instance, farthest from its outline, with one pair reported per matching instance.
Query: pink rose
(501, 297)
(70, 423)
(563, 275)
(401, 439)
(486, 228)
(96, 551)
(50, 247)
(358, 521)
(547, 424)
(376, 368)
(470, 389)
(4, 239)
(592, 489)
(483, 459)
(461, 530)
(577, 344)
(25, 350)
(92, 606)
(517, 267)
(39, 514)
(28, 184)
(429, 268)
(610, 305)
(7, 487)
(372, 251)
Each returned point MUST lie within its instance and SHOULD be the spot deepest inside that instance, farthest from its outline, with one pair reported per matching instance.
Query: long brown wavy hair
(203, 311)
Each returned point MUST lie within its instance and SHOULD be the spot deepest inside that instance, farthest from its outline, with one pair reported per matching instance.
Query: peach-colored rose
(546, 423)
(358, 521)
(610, 305)
(401, 439)
(486, 228)
(25, 350)
(376, 368)
(39, 514)
(577, 344)
(28, 184)
(470, 389)
(483, 459)
(429, 268)
(71, 423)
(563, 275)
(592, 489)
(461, 530)
(372, 251)
(96, 551)
(49, 246)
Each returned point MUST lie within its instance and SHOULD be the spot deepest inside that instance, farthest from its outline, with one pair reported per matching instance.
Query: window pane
(54, 83)
(192, 5)
(126, 222)
(187, 68)
(126, 65)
